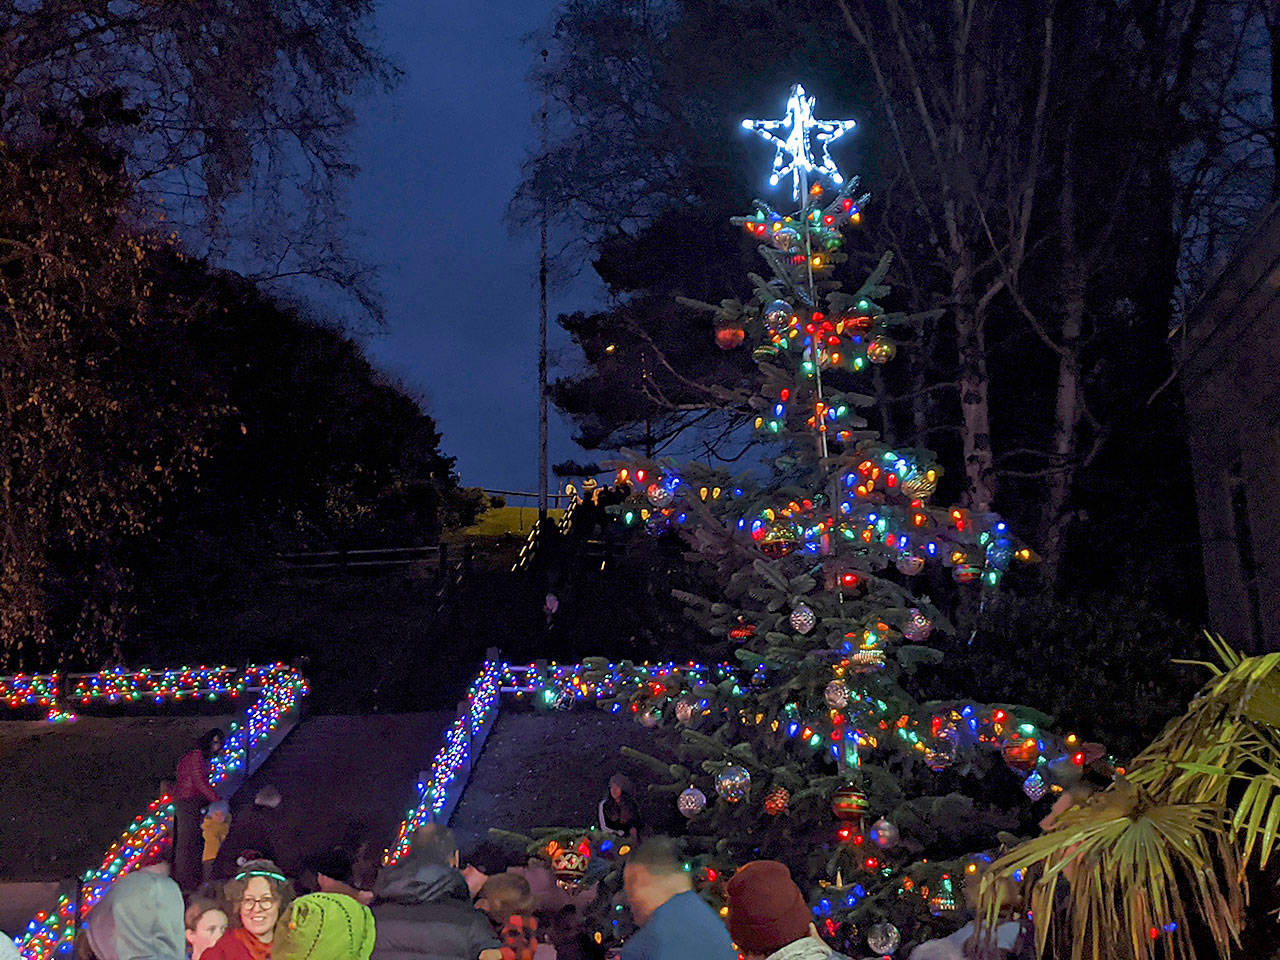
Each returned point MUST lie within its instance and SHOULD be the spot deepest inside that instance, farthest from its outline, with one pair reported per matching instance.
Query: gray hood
(138, 918)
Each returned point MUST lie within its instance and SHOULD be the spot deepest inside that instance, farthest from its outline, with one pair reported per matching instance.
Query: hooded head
(325, 926)
(767, 911)
(268, 797)
(620, 786)
(139, 918)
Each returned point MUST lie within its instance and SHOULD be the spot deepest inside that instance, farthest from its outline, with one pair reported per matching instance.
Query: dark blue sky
(440, 157)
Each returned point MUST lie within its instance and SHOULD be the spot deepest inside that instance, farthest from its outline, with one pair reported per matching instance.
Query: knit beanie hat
(767, 911)
(138, 918)
(325, 926)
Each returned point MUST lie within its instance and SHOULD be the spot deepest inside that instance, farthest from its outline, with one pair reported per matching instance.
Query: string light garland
(58, 692)
(478, 709)
(280, 688)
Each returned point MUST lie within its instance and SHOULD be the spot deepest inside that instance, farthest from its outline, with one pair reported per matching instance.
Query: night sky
(440, 157)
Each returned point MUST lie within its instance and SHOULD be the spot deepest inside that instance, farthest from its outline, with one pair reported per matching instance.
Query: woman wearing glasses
(255, 897)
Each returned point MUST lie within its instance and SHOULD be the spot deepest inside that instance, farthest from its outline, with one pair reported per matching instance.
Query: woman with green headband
(255, 898)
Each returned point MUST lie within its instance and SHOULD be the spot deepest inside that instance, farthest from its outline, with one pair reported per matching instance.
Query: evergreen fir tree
(808, 748)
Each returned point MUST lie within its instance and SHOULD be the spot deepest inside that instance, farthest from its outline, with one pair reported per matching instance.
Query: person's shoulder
(689, 904)
(227, 948)
(640, 945)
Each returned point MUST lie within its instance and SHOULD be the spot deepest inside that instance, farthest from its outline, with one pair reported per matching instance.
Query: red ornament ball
(728, 338)
(776, 801)
(849, 803)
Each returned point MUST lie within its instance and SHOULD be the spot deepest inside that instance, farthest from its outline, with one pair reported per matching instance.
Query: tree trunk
(1273, 33)
(1068, 404)
(975, 410)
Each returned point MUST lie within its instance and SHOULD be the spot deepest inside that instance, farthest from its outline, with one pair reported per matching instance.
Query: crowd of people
(260, 901)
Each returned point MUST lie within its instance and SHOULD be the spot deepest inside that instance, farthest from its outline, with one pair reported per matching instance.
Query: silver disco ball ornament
(691, 802)
(1034, 786)
(776, 315)
(734, 784)
(836, 695)
(909, 564)
(803, 619)
(659, 494)
(564, 700)
(884, 834)
(918, 626)
(883, 938)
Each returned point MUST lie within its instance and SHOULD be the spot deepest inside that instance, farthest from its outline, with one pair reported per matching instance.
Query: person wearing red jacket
(192, 792)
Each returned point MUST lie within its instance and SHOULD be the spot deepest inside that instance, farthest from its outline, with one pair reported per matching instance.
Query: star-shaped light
(796, 136)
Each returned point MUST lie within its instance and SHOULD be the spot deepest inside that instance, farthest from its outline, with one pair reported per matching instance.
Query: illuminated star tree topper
(796, 136)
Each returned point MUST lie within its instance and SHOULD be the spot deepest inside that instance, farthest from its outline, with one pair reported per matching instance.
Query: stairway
(342, 773)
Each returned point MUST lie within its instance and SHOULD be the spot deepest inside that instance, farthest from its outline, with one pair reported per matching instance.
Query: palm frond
(1133, 864)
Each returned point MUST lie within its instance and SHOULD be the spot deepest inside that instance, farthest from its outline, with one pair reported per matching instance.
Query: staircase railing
(265, 723)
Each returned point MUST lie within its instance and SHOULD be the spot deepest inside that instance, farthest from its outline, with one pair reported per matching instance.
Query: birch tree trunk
(975, 410)
(1069, 398)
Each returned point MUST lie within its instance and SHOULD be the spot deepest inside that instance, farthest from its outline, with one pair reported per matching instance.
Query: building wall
(1230, 376)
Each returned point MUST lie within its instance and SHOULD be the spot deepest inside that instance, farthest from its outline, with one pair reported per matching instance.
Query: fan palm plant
(1165, 850)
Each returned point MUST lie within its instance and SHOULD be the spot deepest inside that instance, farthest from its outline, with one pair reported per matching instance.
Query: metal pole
(644, 384)
(813, 299)
(542, 325)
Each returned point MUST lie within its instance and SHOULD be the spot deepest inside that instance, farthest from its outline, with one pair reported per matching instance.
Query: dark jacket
(262, 831)
(423, 911)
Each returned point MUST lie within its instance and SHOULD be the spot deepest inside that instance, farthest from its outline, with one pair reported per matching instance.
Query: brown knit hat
(766, 909)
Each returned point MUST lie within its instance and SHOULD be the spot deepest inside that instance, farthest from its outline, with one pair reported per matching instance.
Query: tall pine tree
(810, 748)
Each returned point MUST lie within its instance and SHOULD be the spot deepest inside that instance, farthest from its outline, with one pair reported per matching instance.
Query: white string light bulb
(796, 136)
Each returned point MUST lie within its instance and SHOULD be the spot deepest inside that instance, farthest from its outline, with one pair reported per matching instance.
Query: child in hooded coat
(507, 900)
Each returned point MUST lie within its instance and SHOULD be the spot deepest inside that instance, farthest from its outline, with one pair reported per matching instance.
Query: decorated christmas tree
(808, 747)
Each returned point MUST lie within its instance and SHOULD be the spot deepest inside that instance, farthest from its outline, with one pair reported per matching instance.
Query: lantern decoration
(881, 349)
(909, 564)
(685, 708)
(730, 337)
(691, 802)
(776, 801)
(856, 323)
(776, 316)
(570, 864)
(766, 351)
(734, 784)
(849, 803)
(884, 834)
(918, 626)
(883, 938)
(1034, 786)
(920, 484)
(867, 657)
(939, 753)
(743, 631)
(944, 899)
(1021, 754)
(659, 494)
(803, 619)
(836, 695)
(778, 541)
